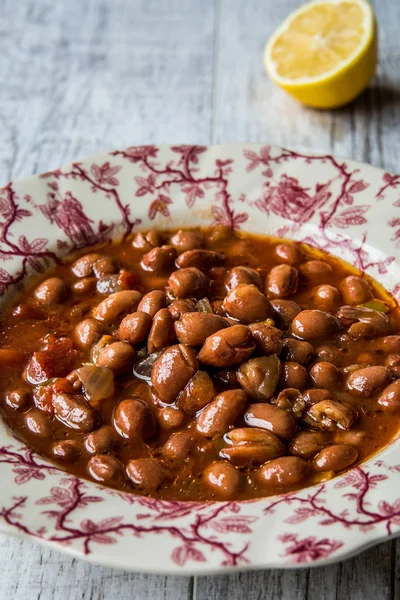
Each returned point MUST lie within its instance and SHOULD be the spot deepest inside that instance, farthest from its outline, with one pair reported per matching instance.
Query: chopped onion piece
(204, 305)
(98, 383)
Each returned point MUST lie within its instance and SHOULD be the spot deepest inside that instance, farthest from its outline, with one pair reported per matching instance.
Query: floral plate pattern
(349, 209)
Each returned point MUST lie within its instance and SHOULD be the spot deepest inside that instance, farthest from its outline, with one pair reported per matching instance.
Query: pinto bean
(326, 297)
(84, 286)
(282, 281)
(134, 328)
(355, 290)
(329, 414)
(50, 292)
(331, 354)
(247, 304)
(291, 400)
(117, 305)
(266, 416)
(218, 416)
(296, 351)
(66, 450)
(133, 418)
(222, 479)
(162, 332)
(307, 444)
(393, 362)
(105, 265)
(118, 357)
(368, 380)
(389, 344)
(87, 332)
(314, 324)
(268, 339)
(38, 423)
(242, 275)
(314, 396)
(179, 446)
(293, 375)
(152, 302)
(94, 264)
(316, 271)
(73, 412)
(193, 328)
(227, 347)
(172, 371)
(260, 376)
(227, 377)
(283, 471)
(288, 253)
(325, 375)
(350, 438)
(189, 283)
(197, 394)
(285, 311)
(170, 417)
(159, 260)
(146, 241)
(201, 259)
(251, 447)
(390, 397)
(101, 440)
(18, 399)
(187, 240)
(146, 474)
(106, 469)
(179, 307)
(335, 458)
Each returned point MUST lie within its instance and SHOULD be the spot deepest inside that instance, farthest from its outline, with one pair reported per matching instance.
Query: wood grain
(81, 77)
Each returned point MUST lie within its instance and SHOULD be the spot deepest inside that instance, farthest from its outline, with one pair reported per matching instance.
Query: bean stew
(202, 365)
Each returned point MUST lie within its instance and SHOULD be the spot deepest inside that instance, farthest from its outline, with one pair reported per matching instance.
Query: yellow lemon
(324, 53)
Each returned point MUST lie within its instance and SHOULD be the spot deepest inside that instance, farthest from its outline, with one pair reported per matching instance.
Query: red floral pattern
(342, 207)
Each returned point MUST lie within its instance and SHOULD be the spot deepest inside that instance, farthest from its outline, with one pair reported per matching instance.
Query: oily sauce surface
(195, 466)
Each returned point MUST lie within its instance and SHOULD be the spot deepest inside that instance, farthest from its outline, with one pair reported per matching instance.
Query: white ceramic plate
(349, 209)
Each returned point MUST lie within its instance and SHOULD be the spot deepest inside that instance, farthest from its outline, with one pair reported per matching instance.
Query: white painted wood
(84, 76)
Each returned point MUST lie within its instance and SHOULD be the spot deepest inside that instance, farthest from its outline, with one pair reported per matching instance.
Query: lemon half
(325, 53)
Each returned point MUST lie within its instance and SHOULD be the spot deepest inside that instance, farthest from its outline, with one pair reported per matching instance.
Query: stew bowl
(346, 208)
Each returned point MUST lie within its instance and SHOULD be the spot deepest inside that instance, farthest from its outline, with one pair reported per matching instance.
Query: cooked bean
(388, 344)
(314, 324)
(350, 438)
(118, 357)
(335, 458)
(266, 416)
(242, 275)
(18, 399)
(291, 400)
(159, 260)
(93, 264)
(101, 440)
(316, 271)
(326, 297)
(260, 376)
(84, 286)
(285, 310)
(307, 444)
(135, 328)
(170, 417)
(363, 321)
(227, 377)
(179, 307)
(87, 332)
(50, 292)
(189, 283)
(268, 339)
(172, 371)
(105, 265)
(390, 397)
(325, 375)
(368, 380)
(288, 253)
(392, 361)
(227, 347)
(328, 414)
(152, 302)
(117, 305)
(146, 474)
(251, 447)
(193, 328)
(38, 423)
(329, 353)
(198, 392)
(222, 479)
(218, 416)
(66, 450)
(314, 396)
(283, 471)
(355, 290)
(146, 241)
(201, 259)
(133, 418)
(293, 375)
(162, 332)
(104, 468)
(247, 304)
(187, 240)
(296, 351)
(179, 446)
(282, 281)
(73, 412)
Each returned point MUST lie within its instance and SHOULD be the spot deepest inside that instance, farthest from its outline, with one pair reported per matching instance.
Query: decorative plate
(350, 209)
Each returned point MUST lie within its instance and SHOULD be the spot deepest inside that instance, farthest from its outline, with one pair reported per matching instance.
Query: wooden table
(84, 76)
